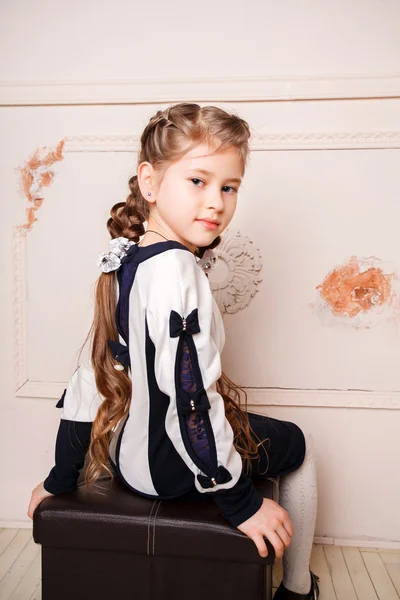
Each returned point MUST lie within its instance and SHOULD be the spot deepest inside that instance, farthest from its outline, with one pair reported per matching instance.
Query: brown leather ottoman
(119, 545)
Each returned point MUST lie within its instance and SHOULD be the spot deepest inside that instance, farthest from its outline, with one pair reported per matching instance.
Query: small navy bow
(222, 475)
(192, 401)
(60, 403)
(177, 324)
(120, 352)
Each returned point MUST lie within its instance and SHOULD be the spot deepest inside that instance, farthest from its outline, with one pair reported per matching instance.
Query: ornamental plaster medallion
(233, 269)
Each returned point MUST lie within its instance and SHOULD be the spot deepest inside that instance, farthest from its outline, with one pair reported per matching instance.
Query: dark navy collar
(141, 253)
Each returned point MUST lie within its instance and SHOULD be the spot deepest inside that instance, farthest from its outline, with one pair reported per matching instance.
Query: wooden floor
(348, 573)
(345, 573)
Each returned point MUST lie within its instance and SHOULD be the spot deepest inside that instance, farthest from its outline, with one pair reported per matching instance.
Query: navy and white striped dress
(176, 437)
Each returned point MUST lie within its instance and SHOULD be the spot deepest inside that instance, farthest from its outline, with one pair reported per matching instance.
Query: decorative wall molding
(323, 398)
(256, 396)
(260, 397)
(326, 140)
(20, 303)
(23, 386)
(259, 142)
(41, 389)
(218, 89)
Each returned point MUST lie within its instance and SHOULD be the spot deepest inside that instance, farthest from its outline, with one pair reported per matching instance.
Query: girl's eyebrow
(236, 179)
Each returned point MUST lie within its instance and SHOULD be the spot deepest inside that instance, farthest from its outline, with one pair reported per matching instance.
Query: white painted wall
(95, 40)
(306, 204)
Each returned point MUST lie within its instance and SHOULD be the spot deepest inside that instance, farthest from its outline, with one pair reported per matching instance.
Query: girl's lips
(208, 224)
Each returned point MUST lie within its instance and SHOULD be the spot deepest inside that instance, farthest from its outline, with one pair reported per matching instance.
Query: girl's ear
(146, 180)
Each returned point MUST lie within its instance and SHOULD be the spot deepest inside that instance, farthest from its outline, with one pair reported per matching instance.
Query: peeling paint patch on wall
(361, 293)
(35, 175)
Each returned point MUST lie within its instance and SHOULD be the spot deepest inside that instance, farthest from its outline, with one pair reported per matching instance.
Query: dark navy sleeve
(240, 502)
(72, 443)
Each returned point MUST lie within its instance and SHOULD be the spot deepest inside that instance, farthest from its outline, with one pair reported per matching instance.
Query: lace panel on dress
(194, 421)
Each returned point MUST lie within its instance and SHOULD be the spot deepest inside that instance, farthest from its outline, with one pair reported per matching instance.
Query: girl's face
(187, 195)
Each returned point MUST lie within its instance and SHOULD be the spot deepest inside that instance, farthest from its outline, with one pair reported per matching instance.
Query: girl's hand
(38, 494)
(273, 522)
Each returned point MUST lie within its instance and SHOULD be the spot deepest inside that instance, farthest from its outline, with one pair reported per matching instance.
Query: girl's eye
(225, 186)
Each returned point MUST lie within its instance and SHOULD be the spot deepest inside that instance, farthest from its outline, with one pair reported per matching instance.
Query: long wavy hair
(168, 136)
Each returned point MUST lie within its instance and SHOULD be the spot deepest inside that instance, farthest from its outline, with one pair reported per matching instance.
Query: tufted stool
(120, 546)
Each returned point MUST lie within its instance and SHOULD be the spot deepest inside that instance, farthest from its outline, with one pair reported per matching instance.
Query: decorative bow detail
(178, 324)
(192, 401)
(222, 475)
(60, 403)
(120, 352)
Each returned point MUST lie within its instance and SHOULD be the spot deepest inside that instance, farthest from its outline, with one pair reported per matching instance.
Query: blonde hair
(168, 136)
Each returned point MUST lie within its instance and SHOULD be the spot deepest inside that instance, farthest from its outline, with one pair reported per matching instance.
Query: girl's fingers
(277, 543)
(261, 545)
(283, 534)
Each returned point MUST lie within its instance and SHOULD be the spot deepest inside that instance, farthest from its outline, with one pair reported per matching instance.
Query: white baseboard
(360, 543)
(16, 524)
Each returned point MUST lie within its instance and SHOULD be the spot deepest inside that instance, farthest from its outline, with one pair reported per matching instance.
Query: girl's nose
(216, 202)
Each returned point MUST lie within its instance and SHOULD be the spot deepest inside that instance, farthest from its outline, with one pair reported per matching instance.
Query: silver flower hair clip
(111, 261)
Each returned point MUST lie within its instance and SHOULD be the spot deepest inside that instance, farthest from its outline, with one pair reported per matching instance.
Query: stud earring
(149, 193)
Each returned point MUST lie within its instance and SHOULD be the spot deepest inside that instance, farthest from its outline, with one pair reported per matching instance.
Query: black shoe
(283, 594)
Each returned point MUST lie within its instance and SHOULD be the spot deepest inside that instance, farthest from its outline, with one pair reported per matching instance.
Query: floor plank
(31, 580)
(359, 574)
(340, 576)
(390, 558)
(6, 537)
(13, 550)
(19, 570)
(379, 576)
(319, 566)
(37, 594)
(394, 574)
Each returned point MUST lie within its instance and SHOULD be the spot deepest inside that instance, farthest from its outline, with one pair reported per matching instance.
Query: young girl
(153, 403)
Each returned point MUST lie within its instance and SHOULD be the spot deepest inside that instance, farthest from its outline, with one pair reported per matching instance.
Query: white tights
(298, 495)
